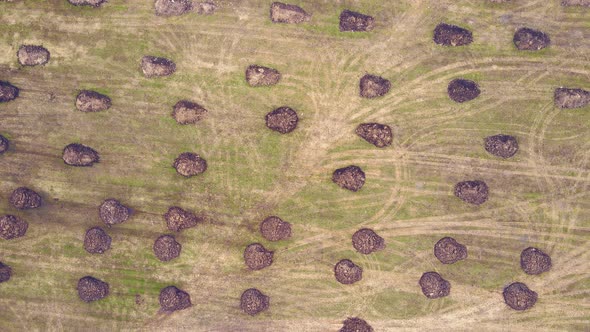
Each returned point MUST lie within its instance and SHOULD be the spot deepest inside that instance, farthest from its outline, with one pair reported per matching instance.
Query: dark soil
(12, 227)
(166, 248)
(367, 241)
(173, 299)
(178, 219)
(379, 135)
(4, 144)
(350, 177)
(571, 97)
(254, 301)
(5, 272)
(534, 261)
(452, 35)
(187, 112)
(526, 39)
(80, 155)
(346, 272)
(206, 8)
(172, 7)
(461, 90)
(91, 3)
(92, 289)
(8, 92)
(283, 119)
(92, 101)
(97, 241)
(372, 86)
(112, 212)
(257, 257)
(503, 146)
(284, 13)
(275, 229)
(354, 324)
(449, 251)
(353, 21)
(24, 198)
(189, 164)
(434, 286)
(262, 76)
(583, 3)
(32, 55)
(519, 297)
(152, 66)
(473, 192)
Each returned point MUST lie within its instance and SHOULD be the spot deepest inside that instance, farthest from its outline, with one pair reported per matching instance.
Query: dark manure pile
(5, 272)
(257, 257)
(166, 248)
(434, 286)
(527, 39)
(112, 212)
(189, 164)
(283, 120)
(4, 144)
(366, 241)
(503, 146)
(346, 272)
(351, 178)
(581, 3)
(92, 289)
(534, 261)
(8, 92)
(473, 192)
(187, 112)
(373, 86)
(178, 219)
(379, 135)
(80, 155)
(519, 297)
(24, 198)
(89, 3)
(174, 299)
(12, 227)
(452, 35)
(354, 324)
(152, 66)
(172, 7)
(356, 22)
(92, 101)
(449, 251)
(262, 76)
(32, 55)
(96, 241)
(285, 13)
(274, 228)
(254, 301)
(461, 90)
(571, 98)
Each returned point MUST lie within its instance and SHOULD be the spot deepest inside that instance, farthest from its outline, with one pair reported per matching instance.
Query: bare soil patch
(24, 198)
(355, 324)
(257, 257)
(346, 272)
(366, 241)
(473, 192)
(452, 35)
(274, 228)
(571, 97)
(355, 22)
(283, 119)
(12, 227)
(189, 164)
(178, 219)
(80, 155)
(285, 13)
(92, 101)
(187, 112)
(462, 90)
(166, 248)
(172, 7)
(152, 66)
(351, 177)
(373, 86)
(97, 241)
(254, 301)
(174, 299)
(527, 39)
(449, 251)
(519, 297)
(112, 212)
(503, 146)
(8, 92)
(534, 261)
(379, 135)
(434, 286)
(262, 76)
(92, 289)
(32, 55)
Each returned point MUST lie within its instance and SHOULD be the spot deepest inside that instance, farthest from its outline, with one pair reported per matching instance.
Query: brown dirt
(187, 112)
(373, 86)
(583, 3)
(350, 177)
(534, 261)
(527, 39)
(571, 97)
(91, 3)
(12, 227)
(354, 324)
(178, 219)
(274, 228)
(472, 192)
(189, 164)
(346, 272)
(206, 8)
(92, 101)
(5, 272)
(503, 146)
(452, 35)
(92, 289)
(172, 7)
(173, 299)
(254, 301)
(449, 251)
(257, 257)
(80, 155)
(97, 241)
(519, 297)
(8, 92)
(354, 21)
(166, 248)
(262, 76)
(32, 55)
(434, 286)
(367, 241)
(4, 144)
(152, 66)
(283, 119)
(112, 212)
(24, 198)
(379, 135)
(284, 13)
(461, 90)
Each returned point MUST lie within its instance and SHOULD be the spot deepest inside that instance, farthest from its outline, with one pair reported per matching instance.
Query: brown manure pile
(80, 155)
(262, 76)
(4, 144)
(355, 22)
(92, 289)
(283, 120)
(189, 164)
(449, 251)
(571, 98)
(366, 241)
(452, 35)
(12, 227)
(92, 101)
(112, 212)
(354, 324)
(519, 297)
(257, 257)
(274, 228)
(351, 178)
(178, 219)
(379, 135)
(5, 272)
(373, 86)
(461, 90)
(32, 55)
(166, 248)
(527, 39)
(473, 192)
(346, 272)
(254, 301)
(534, 261)
(8, 92)
(152, 66)
(90, 3)
(434, 286)
(285, 13)
(172, 7)
(582, 3)
(503, 146)
(96, 241)
(173, 299)
(187, 112)
(24, 198)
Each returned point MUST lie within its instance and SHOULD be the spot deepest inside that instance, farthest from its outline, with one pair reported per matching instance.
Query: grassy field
(541, 197)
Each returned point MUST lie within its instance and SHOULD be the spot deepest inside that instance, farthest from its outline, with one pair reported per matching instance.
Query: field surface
(540, 197)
